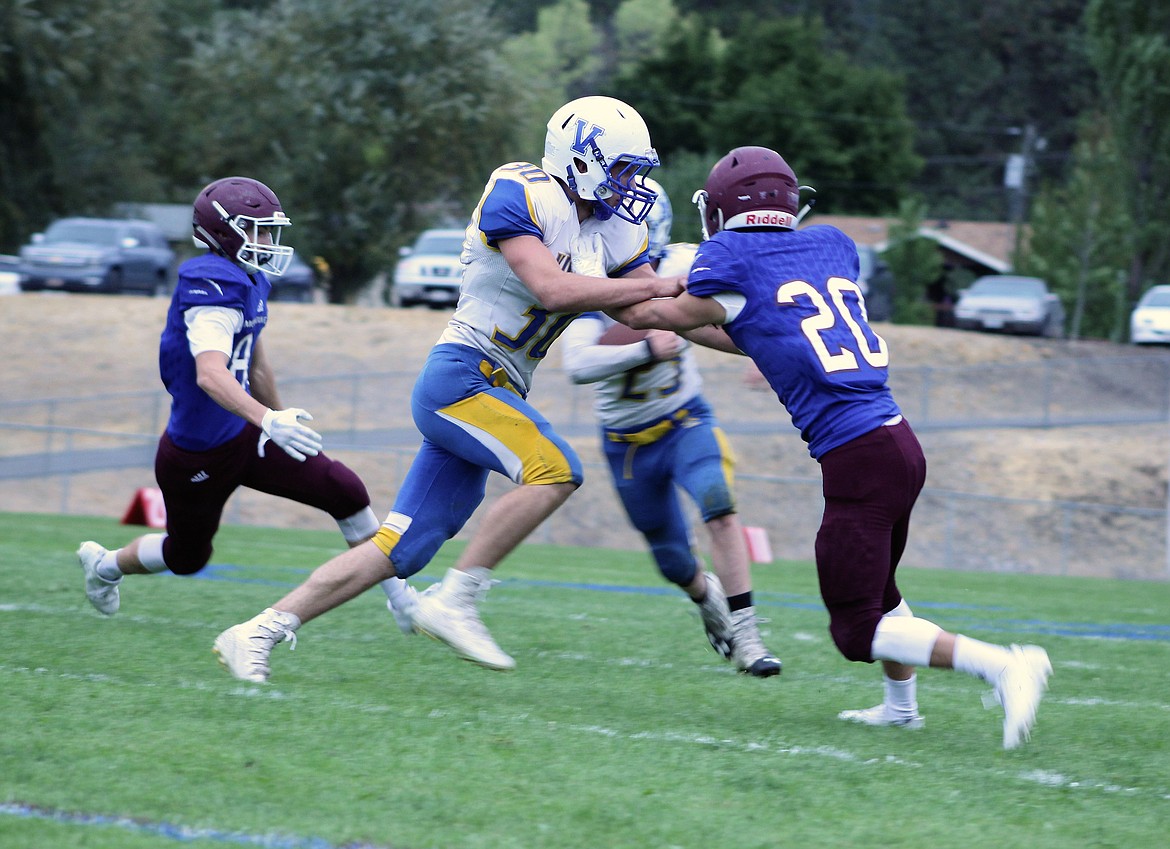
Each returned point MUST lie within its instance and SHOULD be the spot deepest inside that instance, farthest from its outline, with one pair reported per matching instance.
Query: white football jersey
(628, 391)
(497, 314)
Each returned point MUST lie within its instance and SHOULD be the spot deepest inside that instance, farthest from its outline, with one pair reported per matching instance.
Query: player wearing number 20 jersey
(803, 322)
(789, 299)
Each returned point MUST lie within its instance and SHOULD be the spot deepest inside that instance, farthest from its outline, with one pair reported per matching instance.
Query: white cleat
(102, 594)
(244, 649)
(716, 617)
(881, 715)
(448, 613)
(748, 651)
(1019, 690)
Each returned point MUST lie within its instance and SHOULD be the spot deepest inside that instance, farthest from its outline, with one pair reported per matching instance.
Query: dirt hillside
(65, 346)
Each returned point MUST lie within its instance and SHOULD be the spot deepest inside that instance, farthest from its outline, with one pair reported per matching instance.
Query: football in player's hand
(619, 334)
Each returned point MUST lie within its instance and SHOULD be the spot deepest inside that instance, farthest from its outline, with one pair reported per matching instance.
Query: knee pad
(905, 639)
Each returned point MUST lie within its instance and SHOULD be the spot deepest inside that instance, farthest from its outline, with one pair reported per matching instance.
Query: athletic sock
(901, 696)
(739, 601)
(108, 569)
(983, 660)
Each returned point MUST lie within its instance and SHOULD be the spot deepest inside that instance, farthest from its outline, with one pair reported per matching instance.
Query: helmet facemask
(271, 258)
(241, 219)
(625, 178)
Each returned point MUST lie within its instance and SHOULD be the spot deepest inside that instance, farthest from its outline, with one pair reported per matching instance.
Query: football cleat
(102, 594)
(748, 651)
(1019, 689)
(882, 715)
(716, 617)
(244, 649)
(448, 613)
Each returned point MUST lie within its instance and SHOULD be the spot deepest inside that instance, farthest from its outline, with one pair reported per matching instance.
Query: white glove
(283, 428)
(587, 255)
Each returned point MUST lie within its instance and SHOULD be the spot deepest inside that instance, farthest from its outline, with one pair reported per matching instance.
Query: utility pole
(1015, 180)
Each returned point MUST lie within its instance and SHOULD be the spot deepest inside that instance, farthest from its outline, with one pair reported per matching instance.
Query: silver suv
(97, 255)
(430, 271)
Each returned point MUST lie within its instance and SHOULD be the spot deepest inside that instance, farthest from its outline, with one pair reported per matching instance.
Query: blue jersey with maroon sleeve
(804, 325)
(198, 423)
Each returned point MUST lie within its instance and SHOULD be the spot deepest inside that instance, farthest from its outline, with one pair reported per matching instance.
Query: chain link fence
(86, 455)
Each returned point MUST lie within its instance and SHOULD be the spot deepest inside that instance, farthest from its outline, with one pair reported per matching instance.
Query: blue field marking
(792, 601)
(178, 833)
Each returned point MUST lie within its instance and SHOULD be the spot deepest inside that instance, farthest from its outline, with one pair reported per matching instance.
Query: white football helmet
(600, 147)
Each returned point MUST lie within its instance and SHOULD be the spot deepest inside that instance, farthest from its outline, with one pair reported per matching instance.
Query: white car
(1149, 324)
(1012, 304)
(429, 272)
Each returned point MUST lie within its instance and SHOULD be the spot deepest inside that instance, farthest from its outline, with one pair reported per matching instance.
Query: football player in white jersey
(545, 243)
(659, 222)
(659, 434)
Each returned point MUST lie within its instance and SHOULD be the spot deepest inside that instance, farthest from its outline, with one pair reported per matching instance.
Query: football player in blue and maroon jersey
(789, 299)
(224, 404)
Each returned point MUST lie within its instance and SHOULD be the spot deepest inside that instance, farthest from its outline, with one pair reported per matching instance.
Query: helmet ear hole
(581, 165)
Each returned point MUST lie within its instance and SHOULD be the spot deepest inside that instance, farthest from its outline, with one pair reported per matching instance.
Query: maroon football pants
(870, 486)
(197, 484)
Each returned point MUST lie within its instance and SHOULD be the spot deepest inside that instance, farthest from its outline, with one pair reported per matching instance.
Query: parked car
(429, 272)
(296, 284)
(876, 283)
(97, 255)
(1149, 324)
(1012, 304)
(9, 274)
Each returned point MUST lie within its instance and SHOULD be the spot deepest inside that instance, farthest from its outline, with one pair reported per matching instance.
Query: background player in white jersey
(659, 222)
(525, 278)
(224, 403)
(790, 300)
(659, 434)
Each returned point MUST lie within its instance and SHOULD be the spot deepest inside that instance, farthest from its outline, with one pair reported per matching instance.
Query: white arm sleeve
(212, 329)
(732, 303)
(587, 362)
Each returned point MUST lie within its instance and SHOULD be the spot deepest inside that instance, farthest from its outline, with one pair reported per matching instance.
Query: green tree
(88, 88)
(1081, 239)
(371, 121)
(674, 89)
(1129, 43)
(639, 31)
(842, 128)
(975, 72)
(559, 60)
(27, 188)
(914, 263)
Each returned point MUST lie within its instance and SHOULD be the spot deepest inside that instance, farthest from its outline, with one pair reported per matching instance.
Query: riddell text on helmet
(758, 218)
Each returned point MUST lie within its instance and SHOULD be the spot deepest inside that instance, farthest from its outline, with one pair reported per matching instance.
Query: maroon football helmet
(749, 187)
(228, 216)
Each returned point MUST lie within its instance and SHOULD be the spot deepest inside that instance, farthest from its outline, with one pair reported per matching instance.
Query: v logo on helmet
(587, 143)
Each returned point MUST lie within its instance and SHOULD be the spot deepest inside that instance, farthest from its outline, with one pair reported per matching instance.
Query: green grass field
(619, 728)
